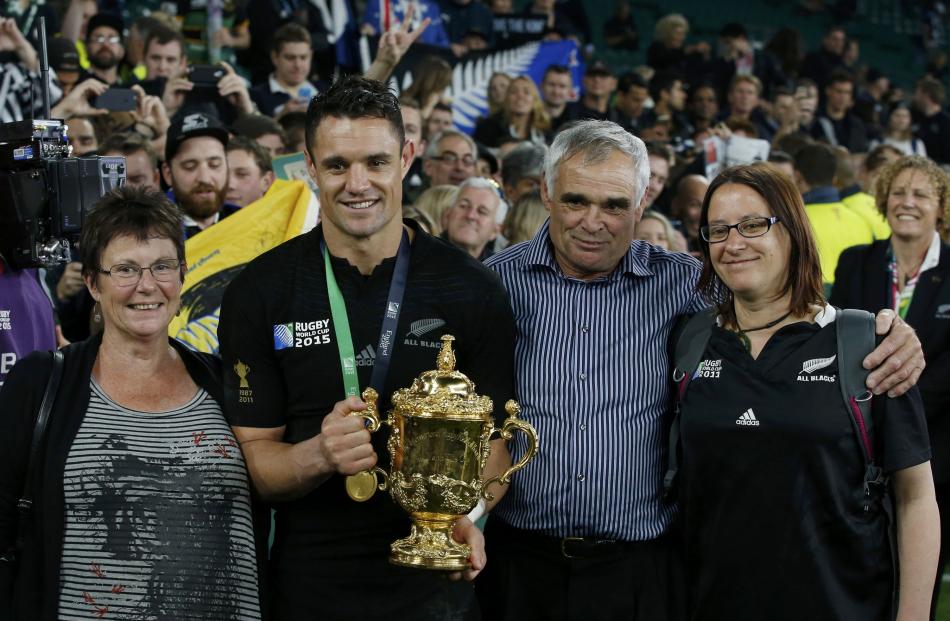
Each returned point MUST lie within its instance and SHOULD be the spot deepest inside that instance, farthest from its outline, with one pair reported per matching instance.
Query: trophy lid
(443, 392)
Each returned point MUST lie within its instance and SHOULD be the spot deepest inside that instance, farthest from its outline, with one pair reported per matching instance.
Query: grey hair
(596, 140)
(525, 160)
(484, 184)
(432, 149)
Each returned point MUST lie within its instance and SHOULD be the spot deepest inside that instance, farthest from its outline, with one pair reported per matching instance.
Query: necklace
(745, 339)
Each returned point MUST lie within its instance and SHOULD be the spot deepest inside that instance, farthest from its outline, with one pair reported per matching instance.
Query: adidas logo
(367, 357)
(748, 419)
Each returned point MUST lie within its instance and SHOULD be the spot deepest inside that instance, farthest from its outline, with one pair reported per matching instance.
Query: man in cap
(105, 47)
(64, 60)
(196, 169)
(599, 82)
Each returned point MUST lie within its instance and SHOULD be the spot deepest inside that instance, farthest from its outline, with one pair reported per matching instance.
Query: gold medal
(361, 486)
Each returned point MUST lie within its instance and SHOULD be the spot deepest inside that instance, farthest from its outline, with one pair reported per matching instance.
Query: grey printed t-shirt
(158, 516)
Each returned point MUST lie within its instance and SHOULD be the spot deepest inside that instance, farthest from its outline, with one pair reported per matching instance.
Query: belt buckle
(567, 540)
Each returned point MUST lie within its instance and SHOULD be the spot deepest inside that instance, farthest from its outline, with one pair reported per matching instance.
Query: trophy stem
(430, 545)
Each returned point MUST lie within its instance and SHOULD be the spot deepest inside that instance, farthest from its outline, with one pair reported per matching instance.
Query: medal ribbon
(901, 298)
(387, 333)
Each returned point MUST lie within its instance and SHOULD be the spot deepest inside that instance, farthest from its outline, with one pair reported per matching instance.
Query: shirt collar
(932, 258)
(275, 86)
(821, 194)
(540, 252)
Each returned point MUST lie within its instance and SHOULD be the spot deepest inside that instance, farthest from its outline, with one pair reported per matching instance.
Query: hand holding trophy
(439, 444)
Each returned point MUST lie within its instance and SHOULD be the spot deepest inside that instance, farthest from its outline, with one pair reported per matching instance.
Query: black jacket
(35, 594)
(862, 280)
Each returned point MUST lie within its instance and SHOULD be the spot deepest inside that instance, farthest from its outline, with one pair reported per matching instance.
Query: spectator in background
(933, 123)
(669, 104)
(632, 93)
(196, 170)
(460, 17)
(429, 80)
(557, 89)
(522, 169)
(287, 88)
(836, 227)
(372, 23)
(525, 218)
(743, 98)
(139, 31)
(264, 130)
(806, 94)
(737, 57)
(437, 121)
(787, 48)
(784, 162)
(875, 93)
(656, 229)
(412, 182)
(105, 47)
(250, 173)
(854, 198)
(898, 132)
(785, 116)
(556, 18)
(660, 157)
(449, 158)
(836, 123)
(826, 60)
(474, 220)
(141, 161)
(164, 59)
(620, 30)
(497, 90)
(599, 82)
(687, 206)
(64, 60)
(433, 202)
(877, 158)
(522, 117)
(294, 126)
(81, 135)
(669, 51)
(703, 107)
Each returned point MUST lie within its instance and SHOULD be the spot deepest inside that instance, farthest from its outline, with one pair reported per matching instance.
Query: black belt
(567, 547)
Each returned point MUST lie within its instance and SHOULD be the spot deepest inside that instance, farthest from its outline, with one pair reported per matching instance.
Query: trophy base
(430, 546)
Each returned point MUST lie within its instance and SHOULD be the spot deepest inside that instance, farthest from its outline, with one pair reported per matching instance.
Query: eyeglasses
(452, 159)
(126, 275)
(750, 227)
(100, 39)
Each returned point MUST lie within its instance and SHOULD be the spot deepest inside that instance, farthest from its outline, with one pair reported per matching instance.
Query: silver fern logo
(810, 366)
(424, 326)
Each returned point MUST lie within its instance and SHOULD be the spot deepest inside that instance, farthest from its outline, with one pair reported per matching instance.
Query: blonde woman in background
(429, 81)
(525, 218)
(656, 228)
(497, 90)
(522, 117)
(433, 202)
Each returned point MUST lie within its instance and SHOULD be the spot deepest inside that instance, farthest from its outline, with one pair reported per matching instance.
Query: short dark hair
(256, 125)
(663, 81)
(629, 80)
(840, 75)
(289, 33)
(780, 157)
(164, 35)
(128, 143)
(733, 30)
(932, 89)
(256, 151)
(803, 279)
(735, 124)
(816, 163)
(354, 97)
(562, 69)
(878, 156)
(133, 211)
(794, 142)
(660, 150)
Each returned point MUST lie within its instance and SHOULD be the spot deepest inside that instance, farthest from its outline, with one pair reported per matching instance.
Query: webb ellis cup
(439, 444)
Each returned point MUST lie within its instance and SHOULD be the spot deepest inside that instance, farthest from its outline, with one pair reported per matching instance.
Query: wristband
(479, 510)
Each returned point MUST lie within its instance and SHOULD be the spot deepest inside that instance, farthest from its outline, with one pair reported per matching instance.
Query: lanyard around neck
(341, 323)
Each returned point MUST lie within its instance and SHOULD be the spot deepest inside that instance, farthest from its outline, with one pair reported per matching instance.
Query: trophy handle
(371, 413)
(511, 424)
(384, 483)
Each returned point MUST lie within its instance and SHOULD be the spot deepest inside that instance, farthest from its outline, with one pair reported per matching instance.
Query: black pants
(532, 576)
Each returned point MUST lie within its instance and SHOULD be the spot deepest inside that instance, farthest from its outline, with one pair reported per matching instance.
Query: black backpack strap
(690, 337)
(25, 503)
(856, 339)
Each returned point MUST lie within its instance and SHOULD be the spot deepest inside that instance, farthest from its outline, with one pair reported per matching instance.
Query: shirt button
(580, 477)
(583, 376)
(585, 329)
(583, 426)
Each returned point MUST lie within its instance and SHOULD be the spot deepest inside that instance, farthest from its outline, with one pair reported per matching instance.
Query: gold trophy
(439, 444)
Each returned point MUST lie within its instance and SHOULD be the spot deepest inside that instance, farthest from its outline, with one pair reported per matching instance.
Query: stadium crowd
(216, 90)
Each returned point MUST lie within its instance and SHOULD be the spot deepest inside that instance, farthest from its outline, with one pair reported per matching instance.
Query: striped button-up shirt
(593, 377)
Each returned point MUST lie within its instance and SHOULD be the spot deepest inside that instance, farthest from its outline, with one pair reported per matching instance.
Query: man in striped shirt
(585, 528)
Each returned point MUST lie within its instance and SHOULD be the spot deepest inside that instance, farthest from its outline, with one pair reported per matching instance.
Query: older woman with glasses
(781, 520)
(141, 502)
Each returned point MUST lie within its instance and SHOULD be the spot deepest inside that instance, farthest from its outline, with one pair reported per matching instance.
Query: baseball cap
(106, 19)
(191, 126)
(63, 56)
(598, 67)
